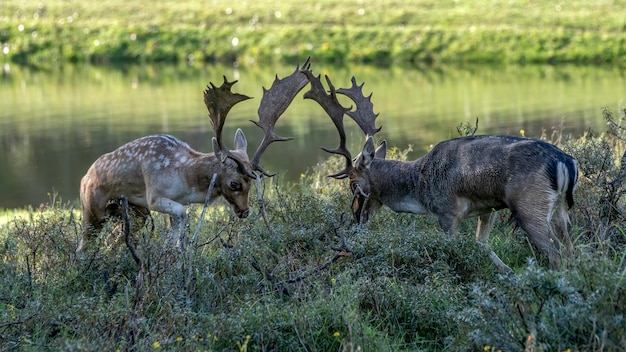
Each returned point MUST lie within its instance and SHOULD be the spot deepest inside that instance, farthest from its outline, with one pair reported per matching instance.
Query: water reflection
(55, 123)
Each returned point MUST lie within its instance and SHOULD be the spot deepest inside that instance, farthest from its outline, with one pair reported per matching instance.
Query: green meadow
(389, 32)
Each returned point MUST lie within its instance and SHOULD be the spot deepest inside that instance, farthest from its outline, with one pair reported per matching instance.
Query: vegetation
(314, 281)
(376, 32)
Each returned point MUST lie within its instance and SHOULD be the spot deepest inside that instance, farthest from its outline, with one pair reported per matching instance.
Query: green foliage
(603, 174)
(381, 32)
(540, 310)
(316, 281)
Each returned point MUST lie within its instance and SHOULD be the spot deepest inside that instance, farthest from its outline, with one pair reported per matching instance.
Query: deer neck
(396, 184)
(200, 170)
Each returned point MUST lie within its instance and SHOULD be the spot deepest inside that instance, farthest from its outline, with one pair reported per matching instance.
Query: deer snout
(243, 214)
(360, 213)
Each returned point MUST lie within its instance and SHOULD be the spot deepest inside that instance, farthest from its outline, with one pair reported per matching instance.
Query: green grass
(375, 32)
(404, 287)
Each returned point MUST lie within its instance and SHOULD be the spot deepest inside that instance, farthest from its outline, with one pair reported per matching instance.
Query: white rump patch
(562, 177)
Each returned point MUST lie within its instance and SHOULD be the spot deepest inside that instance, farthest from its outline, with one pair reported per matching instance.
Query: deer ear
(364, 159)
(241, 143)
(218, 151)
(381, 151)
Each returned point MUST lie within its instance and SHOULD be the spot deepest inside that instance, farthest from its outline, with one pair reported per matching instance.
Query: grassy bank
(315, 282)
(376, 32)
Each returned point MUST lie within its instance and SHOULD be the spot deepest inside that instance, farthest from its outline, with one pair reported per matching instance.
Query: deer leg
(449, 224)
(561, 221)
(485, 225)
(537, 227)
(94, 213)
(178, 216)
(92, 221)
(178, 225)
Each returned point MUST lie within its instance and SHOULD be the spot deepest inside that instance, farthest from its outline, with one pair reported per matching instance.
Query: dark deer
(161, 173)
(459, 178)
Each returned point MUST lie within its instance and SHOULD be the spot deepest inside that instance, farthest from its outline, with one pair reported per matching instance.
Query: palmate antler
(331, 105)
(219, 101)
(273, 104)
(363, 114)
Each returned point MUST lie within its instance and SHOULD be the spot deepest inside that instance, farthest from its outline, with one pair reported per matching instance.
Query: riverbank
(382, 33)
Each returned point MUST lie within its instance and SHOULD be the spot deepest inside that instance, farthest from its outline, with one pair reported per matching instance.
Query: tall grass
(315, 281)
(376, 32)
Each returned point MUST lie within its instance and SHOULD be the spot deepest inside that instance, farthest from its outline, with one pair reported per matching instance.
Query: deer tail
(566, 178)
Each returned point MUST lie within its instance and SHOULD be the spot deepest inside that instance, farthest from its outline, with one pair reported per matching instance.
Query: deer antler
(219, 101)
(331, 105)
(363, 115)
(273, 104)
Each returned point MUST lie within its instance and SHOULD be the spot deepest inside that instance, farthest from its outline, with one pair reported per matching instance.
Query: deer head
(364, 116)
(234, 183)
(219, 101)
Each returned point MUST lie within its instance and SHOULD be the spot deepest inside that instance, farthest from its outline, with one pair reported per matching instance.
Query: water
(55, 123)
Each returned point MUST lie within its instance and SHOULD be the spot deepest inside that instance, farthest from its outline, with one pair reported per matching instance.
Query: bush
(540, 310)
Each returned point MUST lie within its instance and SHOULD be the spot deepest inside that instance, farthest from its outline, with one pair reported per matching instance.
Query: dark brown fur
(476, 176)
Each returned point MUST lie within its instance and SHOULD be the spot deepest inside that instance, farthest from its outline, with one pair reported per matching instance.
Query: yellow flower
(522, 132)
(179, 338)
(337, 334)
(11, 309)
(486, 348)
(156, 344)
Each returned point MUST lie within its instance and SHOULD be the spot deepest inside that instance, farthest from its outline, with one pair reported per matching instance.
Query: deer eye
(235, 186)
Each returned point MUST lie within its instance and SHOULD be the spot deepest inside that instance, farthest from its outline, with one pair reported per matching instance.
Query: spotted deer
(459, 178)
(163, 174)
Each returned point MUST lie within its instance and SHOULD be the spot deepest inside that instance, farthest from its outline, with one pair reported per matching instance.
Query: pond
(54, 123)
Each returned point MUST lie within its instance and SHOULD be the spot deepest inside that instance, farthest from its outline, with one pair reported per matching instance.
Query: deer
(164, 174)
(469, 176)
